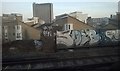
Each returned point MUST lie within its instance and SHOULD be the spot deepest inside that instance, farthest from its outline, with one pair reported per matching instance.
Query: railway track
(66, 59)
(60, 63)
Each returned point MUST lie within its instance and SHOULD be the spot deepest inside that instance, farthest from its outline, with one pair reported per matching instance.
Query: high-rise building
(43, 11)
(119, 6)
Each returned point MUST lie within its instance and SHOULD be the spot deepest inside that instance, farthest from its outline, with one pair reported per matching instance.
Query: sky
(94, 8)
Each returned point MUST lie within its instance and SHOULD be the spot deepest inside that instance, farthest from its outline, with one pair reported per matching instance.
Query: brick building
(67, 22)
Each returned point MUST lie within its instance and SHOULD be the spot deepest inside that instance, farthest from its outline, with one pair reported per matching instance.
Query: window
(6, 35)
(68, 26)
(5, 27)
(18, 27)
(18, 35)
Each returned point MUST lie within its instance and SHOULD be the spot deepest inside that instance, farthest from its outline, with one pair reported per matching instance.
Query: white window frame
(18, 32)
(68, 27)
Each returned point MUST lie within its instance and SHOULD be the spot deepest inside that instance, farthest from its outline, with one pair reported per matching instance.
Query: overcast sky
(94, 8)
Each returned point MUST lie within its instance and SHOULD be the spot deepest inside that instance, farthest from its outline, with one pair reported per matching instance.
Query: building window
(18, 27)
(18, 32)
(6, 32)
(18, 35)
(6, 35)
(68, 26)
(5, 27)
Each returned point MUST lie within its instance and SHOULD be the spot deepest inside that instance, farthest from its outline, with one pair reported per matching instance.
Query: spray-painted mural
(86, 37)
(114, 35)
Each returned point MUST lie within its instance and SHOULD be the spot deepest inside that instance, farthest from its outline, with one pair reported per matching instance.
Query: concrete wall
(30, 32)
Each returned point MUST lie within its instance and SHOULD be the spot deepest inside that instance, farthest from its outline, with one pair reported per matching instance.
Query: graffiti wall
(86, 37)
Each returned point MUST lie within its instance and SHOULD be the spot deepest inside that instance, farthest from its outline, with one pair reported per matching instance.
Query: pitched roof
(66, 16)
